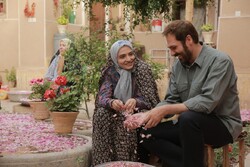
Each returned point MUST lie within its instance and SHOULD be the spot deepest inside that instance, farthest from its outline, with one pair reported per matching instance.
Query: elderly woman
(126, 86)
(57, 62)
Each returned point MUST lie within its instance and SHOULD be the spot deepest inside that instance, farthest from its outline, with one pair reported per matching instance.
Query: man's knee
(188, 118)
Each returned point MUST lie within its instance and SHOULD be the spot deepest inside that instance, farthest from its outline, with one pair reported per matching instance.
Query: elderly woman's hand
(130, 105)
(117, 105)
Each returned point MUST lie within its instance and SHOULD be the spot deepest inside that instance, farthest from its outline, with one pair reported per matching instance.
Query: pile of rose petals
(245, 115)
(134, 121)
(21, 133)
(82, 124)
(124, 164)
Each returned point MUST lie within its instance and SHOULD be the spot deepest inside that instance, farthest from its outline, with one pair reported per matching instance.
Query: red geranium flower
(49, 94)
(54, 86)
(61, 97)
(38, 81)
(64, 90)
(61, 80)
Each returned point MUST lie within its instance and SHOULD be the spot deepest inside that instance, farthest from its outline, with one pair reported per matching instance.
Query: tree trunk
(189, 10)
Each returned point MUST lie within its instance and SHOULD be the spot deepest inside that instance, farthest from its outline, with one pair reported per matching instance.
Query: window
(160, 56)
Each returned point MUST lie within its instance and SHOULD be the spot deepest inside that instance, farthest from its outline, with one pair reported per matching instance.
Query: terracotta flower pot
(40, 110)
(63, 121)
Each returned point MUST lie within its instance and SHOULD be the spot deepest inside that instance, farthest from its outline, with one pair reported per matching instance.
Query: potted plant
(207, 27)
(67, 13)
(36, 99)
(11, 77)
(207, 33)
(62, 22)
(63, 102)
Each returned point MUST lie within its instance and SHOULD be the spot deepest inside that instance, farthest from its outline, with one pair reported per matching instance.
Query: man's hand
(153, 118)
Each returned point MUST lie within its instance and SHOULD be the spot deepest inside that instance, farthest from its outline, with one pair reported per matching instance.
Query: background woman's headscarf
(123, 89)
(51, 73)
(67, 42)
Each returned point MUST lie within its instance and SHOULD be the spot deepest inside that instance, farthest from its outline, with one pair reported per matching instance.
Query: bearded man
(203, 91)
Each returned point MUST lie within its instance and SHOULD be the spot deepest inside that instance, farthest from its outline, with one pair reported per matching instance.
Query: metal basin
(17, 95)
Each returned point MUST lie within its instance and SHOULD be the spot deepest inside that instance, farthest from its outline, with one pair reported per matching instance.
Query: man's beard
(185, 56)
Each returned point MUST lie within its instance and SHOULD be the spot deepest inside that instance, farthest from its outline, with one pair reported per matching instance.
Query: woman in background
(57, 61)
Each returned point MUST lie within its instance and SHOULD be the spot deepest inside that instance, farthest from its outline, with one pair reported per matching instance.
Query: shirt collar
(201, 58)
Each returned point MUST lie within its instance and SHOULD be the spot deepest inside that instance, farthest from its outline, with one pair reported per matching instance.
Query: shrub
(11, 75)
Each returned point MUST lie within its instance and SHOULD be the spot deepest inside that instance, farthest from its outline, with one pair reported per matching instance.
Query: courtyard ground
(8, 106)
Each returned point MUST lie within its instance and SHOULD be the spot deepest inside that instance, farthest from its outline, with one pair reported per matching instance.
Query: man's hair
(180, 29)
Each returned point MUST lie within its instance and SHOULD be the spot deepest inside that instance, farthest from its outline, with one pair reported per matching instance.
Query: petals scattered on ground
(245, 115)
(22, 133)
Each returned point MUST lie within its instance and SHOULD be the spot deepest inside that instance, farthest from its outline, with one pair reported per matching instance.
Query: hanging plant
(139, 10)
(143, 11)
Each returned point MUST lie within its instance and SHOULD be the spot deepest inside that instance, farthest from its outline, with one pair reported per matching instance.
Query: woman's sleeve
(105, 95)
(140, 102)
